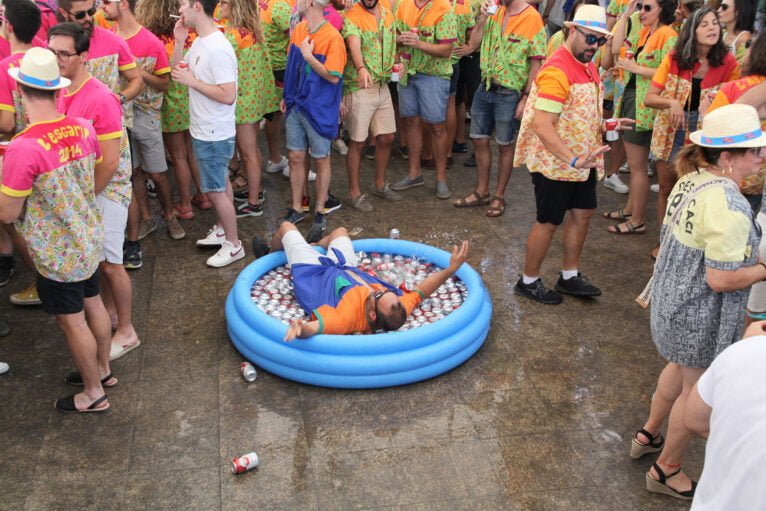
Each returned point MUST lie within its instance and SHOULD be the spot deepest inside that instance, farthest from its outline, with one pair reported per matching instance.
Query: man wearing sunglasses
(109, 57)
(342, 299)
(560, 142)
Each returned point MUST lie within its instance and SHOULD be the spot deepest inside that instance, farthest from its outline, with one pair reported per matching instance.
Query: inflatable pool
(361, 361)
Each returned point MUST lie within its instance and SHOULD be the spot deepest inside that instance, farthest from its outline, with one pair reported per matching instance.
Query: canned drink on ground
(244, 463)
(394, 234)
(248, 371)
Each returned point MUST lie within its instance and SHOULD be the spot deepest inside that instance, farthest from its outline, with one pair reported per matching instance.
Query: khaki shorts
(370, 111)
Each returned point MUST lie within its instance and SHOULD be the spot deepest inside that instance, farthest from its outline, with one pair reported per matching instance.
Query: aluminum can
(611, 130)
(394, 234)
(249, 374)
(492, 8)
(244, 463)
(396, 72)
(183, 64)
(629, 54)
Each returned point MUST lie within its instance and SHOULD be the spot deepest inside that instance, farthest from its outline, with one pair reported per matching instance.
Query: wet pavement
(540, 418)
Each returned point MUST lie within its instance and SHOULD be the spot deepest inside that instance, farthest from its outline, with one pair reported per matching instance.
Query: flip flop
(120, 351)
(66, 405)
(183, 213)
(75, 378)
(630, 228)
(201, 203)
(616, 215)
(478, 200)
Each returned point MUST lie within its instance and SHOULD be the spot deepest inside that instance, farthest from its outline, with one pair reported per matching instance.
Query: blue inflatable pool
(360, 361)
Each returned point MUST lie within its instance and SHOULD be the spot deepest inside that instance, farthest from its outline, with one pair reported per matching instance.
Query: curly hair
(244, 14)
(686, 47)
(154, 15)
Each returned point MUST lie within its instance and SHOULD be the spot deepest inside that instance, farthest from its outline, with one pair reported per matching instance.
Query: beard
(585, 56)
(369, 7)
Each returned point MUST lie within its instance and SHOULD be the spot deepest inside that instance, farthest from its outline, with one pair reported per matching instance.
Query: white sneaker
(655, 188)
(214, 238)
(339, 145)
(273, 168)
(312, 174)
(624, 168)
(614, 182)
(227, 254)
(4, 367)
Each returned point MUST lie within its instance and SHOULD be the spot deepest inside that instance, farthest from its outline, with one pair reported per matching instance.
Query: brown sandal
(496, 211)
(478, 200)
(616, 215)
(627, 227)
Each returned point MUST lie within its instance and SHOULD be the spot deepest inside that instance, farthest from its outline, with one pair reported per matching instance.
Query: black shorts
(66, 297)
(454, 78)
(554, 198)
(469, 79)
(279, 78)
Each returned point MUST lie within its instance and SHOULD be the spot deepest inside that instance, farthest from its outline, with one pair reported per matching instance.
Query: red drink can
(628, 54)
(183, 64)
(244, 463)
(415, 30)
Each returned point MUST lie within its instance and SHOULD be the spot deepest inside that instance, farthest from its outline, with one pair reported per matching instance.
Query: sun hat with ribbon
(592, 17)
(39, 69)
(730, 126)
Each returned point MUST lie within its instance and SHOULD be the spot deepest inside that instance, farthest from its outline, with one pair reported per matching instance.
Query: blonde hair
(154, 15)
(693, 157)
(244, 14)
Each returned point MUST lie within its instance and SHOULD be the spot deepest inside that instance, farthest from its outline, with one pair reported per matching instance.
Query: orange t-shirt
(349, 317)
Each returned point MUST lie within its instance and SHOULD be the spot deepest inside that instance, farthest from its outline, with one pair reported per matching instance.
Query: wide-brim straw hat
(592, 17)
(39, 69)
(730, 126)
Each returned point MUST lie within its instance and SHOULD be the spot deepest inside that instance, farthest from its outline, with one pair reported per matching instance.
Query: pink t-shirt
(51, 163)
(10, 100)
(151, 57)
(5, 46)
(108, 55)
(93, 101)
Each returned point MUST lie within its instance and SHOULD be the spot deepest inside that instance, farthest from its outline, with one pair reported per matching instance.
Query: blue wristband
(574, 161)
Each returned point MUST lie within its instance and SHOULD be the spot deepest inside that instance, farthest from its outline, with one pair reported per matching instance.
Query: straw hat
(592, 17)
(730, 126)
(39, 69)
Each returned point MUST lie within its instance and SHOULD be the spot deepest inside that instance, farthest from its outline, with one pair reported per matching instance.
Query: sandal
(660, 485)
(478, 200)
(619, 214)
(183, 213)
(496, 211)
(74, 378)
(627, 227)
(66, 405)
(637, 449)
(201, 201)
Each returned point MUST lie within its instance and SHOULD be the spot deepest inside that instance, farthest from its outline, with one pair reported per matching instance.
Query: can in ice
(394, 234)
(244, 463)
(249, 374)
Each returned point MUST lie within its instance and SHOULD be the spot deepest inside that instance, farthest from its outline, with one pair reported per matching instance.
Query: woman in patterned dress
(707, 262)
(256, 94)
(155, 16)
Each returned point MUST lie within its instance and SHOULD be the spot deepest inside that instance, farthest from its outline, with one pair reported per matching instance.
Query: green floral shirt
(378, 42)
(436, 24)
(275, 23)
(464, 19)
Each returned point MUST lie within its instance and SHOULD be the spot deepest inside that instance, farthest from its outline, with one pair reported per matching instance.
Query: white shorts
(298, 251)
(114, 218)
(756, 304)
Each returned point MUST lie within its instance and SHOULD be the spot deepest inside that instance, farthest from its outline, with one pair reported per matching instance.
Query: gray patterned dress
(691, 323)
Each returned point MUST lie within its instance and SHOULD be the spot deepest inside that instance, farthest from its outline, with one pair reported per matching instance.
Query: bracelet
(574, 162)
(360, 67)
(764, 266)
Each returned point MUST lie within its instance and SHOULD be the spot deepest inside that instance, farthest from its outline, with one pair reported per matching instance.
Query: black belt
(499, 89)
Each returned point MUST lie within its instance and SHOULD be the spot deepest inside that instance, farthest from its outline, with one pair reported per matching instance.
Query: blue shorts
(424, 96)
(680, 137)
(494, 111)
(213, 160)
(455, 77)
(302, 136)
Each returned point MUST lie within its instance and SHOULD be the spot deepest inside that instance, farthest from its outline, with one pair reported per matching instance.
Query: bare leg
(451, 124)
(353, 166)
(504, 168)
(615, 157)
(483, 156)
(322, 182)
(538, 242)
(667, 179)
(439, 145)
(247, 143)
(573, 239)
(414, 137)
(122, 293)
(101, 327)
(223, 203)
(176, 145)
(273, 135)
(82, 347)
(382, 156)
(427, 152)
(668, 389)
(460, 132)
(164, 194)
(298, 178)
(638, 161)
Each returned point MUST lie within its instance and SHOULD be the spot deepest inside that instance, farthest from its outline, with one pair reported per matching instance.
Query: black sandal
(637, 449)
(75, 378)
(660, 485)
(66, 405)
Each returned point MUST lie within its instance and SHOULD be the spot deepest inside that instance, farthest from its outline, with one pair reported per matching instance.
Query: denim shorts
(302, 136)
(424, 96)
(213, 160)
(493, 111)
(691, 119)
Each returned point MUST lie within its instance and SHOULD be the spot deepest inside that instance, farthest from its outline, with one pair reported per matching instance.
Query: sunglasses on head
(78, 15)
(644, 7)
(591, 39)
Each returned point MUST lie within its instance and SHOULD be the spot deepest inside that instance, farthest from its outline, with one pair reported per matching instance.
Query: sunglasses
(724, 7)
(645, 8)
(107, 2)
(591, 39)
(81, 14)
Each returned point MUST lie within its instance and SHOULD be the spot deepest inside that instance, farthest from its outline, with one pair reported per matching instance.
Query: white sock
(528, 280)
(568, 274)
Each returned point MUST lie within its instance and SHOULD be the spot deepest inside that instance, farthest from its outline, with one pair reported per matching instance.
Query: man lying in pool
(341, 298)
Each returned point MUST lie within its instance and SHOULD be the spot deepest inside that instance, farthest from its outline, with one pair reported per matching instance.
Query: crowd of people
(97, 99)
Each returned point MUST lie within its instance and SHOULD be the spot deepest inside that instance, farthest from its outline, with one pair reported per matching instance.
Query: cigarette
(175, 16)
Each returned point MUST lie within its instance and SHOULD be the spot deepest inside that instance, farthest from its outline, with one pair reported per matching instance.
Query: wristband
(360, 67)
(764, 266)
(574, 162)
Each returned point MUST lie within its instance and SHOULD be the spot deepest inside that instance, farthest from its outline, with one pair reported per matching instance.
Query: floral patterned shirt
(436, 24)
(464, 20)
(51, 163)
(108, 55)
(275, 22)
(10, 99)
(151, 57)
(572, 90)
(378, 44)
(505, 54)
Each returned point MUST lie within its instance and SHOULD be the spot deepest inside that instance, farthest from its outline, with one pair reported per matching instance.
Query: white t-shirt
(735, 456)
(212, 60)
